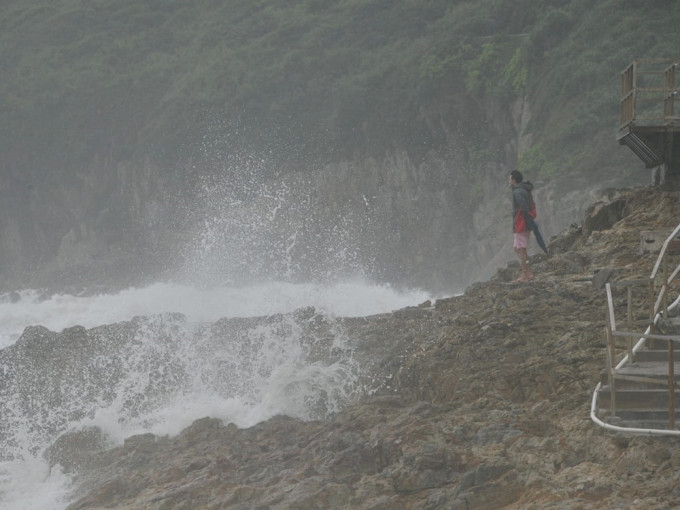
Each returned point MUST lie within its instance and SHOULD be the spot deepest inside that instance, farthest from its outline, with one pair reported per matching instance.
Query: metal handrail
(662, 263)
(656, 312)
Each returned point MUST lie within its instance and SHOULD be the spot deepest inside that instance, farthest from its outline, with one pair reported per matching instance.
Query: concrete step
(656, 344)
(643, 373)
(636, 378)
(641, 424)
(650, 419)
(638, 400)
(638, 418)
(656, 415)
(656, 355)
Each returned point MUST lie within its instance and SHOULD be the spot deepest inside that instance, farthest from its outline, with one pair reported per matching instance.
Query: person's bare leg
(526, 271)
(521, 277)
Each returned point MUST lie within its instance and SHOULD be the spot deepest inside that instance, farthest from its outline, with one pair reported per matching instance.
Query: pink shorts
(521, 240)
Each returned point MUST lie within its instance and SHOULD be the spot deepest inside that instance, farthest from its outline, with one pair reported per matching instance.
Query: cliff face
(435, 217)
(111, 111)
(57, 228)
(486, 406)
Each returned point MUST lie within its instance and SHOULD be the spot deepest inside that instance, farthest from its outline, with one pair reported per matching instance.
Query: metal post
(671, 386)
(629, 297)
(665, 285)
(611, 365)
(651, 305)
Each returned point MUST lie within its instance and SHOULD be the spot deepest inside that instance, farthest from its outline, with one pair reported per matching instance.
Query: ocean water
(183, 369)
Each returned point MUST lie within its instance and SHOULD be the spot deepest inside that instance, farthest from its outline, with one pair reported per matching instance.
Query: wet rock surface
(485, 405)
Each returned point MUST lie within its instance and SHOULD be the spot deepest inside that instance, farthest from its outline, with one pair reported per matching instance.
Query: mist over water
(249, 221)
(256, 250)
(199, 304)
(244, 331)
(172, 369)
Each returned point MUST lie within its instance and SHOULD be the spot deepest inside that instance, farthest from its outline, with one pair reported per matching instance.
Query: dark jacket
(522, 200)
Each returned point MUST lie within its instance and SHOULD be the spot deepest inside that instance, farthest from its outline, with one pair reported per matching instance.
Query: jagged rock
(668, 327)
(567, 263)
(604, 214)
(566, 240)
(34, 338)
(602, 276)
(77, 450)
(140, 443)
(484, 406)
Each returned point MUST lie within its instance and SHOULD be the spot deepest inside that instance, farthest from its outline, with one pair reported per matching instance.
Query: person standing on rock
(523, 212)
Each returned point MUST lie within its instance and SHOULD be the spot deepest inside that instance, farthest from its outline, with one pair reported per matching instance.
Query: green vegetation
(535, 162)
(330, 78)
(515, 72)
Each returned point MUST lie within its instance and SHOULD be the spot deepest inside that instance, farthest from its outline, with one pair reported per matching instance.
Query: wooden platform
(650, 120)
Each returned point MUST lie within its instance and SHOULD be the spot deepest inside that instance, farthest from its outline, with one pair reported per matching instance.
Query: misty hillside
(112, 110)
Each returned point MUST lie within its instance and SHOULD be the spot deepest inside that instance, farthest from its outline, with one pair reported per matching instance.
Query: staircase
(638, 392)
(644, 147)
(642, 397)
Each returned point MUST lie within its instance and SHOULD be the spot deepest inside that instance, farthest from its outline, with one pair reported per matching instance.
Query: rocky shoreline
(487, 406)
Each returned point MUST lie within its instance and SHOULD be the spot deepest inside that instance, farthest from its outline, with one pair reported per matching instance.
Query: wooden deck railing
(648, 92)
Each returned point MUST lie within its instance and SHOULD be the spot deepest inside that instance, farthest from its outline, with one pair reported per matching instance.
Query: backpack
(520, 221)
